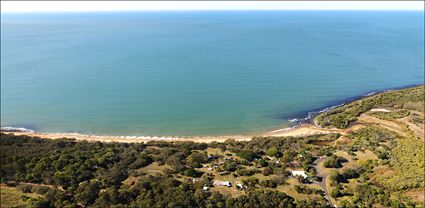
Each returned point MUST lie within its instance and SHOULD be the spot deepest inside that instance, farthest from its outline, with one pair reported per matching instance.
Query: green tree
(247, 155)
(87, 192)
(274, 152)
(334, 162)
(196, 159)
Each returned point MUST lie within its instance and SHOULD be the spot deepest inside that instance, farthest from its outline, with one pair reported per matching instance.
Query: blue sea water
(198, 73)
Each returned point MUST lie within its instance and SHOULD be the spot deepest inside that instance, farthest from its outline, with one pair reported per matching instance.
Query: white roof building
(301, 173)
(222, 183)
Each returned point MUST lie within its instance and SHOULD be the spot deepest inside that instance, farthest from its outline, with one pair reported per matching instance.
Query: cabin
(301, 173)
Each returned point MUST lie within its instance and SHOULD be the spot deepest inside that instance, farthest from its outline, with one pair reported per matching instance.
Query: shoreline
(300, 130)
(302, 127)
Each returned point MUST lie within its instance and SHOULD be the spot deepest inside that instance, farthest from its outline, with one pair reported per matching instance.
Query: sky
(87, 6)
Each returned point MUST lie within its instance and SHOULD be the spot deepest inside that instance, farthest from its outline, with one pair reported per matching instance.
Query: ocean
(198, 73)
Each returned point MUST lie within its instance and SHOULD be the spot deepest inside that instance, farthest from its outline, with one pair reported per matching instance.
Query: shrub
(268, 183)
(351, 173)
(25, 188)
(267, 171)
(246, 172)
(338, 178)
(250, 182)
(192, 172)
(40, 189)
(335, 192)
(230, 166)
(262, 162)
(141, 161)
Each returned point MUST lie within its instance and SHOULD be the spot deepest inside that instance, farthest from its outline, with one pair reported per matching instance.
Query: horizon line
(212, 10)
(142, 6)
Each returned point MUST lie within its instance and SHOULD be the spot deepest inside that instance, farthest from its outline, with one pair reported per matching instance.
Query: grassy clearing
(228, 191)
(154, 168)
(13, 197)
(390, 115)
(290, 190)
(417, 195)
(365, 155)
(151, 169)
(214, 151)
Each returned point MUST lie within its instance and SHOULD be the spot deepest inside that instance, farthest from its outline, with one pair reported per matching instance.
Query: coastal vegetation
(398, 100)
(380, 163)
(97, 174)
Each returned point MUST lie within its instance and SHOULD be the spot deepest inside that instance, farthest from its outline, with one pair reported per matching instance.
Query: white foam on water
(16, 129)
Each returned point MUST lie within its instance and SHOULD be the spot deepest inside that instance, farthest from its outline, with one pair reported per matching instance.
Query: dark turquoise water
(198, 73)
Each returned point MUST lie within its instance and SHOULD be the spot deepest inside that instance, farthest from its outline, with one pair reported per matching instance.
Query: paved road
(323, 175)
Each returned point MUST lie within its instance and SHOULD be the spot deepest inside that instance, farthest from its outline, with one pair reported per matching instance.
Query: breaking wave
(15, 129)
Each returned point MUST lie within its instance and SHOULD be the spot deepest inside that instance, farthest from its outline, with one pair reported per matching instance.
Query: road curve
(323, 175)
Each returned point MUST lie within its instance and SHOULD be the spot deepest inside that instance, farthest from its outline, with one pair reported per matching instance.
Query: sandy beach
(302, 130)
(127, 139)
